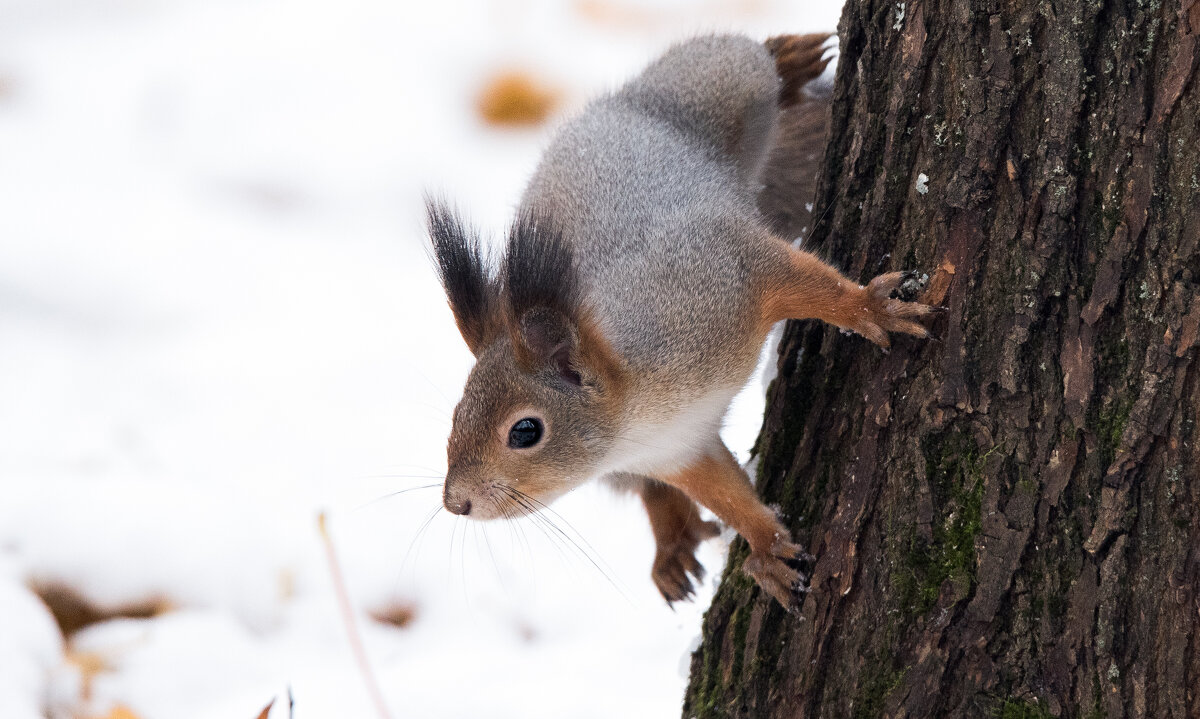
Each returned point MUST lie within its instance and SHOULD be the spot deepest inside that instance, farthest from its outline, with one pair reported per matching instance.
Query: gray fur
(655, 189)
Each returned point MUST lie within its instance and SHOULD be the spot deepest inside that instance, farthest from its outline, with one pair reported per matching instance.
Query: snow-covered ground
(217, 319)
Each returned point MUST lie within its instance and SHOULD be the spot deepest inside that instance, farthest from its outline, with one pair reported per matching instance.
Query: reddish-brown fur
(807, 288)
(678, 529)
(718, 482)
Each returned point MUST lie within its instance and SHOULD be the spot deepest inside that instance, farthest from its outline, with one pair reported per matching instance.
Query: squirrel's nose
(456, 493)
(463, 508)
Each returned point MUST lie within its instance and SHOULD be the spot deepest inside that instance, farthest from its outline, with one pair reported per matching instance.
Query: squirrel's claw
(798, 60)
(884, 313)
(676, 566)
(671, 576)
(782, 573)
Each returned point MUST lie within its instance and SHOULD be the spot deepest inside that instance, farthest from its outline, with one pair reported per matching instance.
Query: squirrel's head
(540, 407)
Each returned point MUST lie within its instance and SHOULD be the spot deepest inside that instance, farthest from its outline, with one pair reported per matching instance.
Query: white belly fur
(655, 447)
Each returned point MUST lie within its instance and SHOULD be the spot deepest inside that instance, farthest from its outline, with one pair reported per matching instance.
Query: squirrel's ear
(546, 337)
(465, 276)
(541, 288)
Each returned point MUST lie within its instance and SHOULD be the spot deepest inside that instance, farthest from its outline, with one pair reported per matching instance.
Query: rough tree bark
(1006, 521)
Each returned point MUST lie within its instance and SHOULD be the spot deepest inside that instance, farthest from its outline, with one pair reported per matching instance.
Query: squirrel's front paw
(674, 563)
(782, 572)
(883, 313)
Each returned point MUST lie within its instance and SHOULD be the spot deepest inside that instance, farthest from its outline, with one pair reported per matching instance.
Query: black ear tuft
(539, 268)
(543, 295)
(465, 276)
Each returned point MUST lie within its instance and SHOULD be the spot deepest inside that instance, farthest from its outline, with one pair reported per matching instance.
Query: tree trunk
(1007, 519)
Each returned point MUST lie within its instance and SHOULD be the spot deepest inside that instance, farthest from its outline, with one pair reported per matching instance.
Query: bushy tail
(790, 175)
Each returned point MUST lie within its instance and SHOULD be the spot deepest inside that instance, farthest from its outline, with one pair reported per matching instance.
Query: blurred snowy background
(217, 319)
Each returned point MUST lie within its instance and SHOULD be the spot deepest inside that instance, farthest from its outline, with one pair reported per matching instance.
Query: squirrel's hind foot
(799, 59)
(675, 565)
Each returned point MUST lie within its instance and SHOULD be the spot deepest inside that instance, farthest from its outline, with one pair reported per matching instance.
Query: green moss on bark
(882, 678)
(1023, 709)
(954, 472)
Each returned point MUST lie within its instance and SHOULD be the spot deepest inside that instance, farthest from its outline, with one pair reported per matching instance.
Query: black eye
(525, 433)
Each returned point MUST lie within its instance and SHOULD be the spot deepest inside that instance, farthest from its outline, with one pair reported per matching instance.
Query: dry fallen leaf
(398, 614)
(73, 611)
(266, 710)
(514, 98)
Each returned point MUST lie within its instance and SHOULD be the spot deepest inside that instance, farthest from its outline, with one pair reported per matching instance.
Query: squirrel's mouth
(508, 502)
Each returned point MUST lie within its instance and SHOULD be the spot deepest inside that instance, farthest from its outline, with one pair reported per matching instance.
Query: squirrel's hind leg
(719, 483)
(789, 177)
(678, 530)
(803, 287)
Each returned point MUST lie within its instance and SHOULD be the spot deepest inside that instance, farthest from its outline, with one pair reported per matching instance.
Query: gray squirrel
(647, 262)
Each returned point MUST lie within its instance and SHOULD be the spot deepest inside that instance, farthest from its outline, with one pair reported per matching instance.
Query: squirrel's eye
(525, 433)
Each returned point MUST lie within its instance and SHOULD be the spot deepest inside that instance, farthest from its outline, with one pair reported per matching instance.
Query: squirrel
(648, 261)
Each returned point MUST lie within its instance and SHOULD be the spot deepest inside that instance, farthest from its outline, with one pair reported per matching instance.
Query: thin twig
(356, 645)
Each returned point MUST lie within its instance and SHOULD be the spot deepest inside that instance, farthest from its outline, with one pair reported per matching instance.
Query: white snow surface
(218, 319)
(31, 650)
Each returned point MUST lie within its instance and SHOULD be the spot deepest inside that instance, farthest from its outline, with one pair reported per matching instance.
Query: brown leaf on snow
(266, 710)
(398, 614)
(514, 98)
(73, 611)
